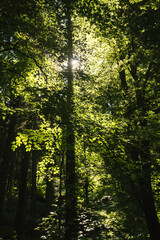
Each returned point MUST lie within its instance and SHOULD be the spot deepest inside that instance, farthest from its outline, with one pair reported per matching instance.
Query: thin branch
(147, 75)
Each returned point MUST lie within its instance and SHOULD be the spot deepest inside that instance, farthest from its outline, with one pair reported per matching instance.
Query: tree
(71, 196)
(129, 25)
(80, 102)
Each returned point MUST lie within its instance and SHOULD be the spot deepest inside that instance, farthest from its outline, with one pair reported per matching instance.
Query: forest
(80, 119)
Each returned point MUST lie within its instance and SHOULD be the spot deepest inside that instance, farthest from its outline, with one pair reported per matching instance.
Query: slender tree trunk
(147, 193)
(34, 185)
(60, 200)
(6, 160)
(70, 219)
(86, 185)
(150, 211)
(144, 190)
(61, 177)
(71, 198)
(50, 196)
(86, 191)
(3, 139)
(20, 218)
(11, 176)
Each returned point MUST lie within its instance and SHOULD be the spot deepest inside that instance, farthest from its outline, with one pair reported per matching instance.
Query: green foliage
(115, 121)
(50, 227)
(45, 137)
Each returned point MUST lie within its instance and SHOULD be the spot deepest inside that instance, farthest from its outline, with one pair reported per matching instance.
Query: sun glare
(74, 63)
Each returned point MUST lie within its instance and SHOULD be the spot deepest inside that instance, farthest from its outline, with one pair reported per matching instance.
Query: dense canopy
(79, 119)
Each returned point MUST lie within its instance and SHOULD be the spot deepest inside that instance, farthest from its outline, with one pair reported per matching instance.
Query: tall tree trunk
(86, 186)
(150, 210)
(147, 193)
(34, 185)
(20, 217)
(60, 200)
(11, 176)
(141, 155)
(144, 190)
(71, 198)
(50, 196)
(61, 177)
(6, 160)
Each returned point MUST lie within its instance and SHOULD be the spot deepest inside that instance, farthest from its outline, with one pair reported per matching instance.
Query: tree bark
(20, 217)
(141, 155)
(71, 196)
(143, 189)
(86, 186)
(7, 156)
(147, 193)
(11, 176)
(34, 184)
(50, 196)
(150, 211)
(60, 198)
